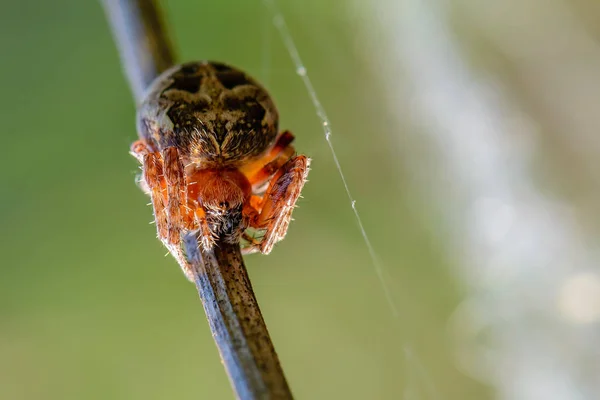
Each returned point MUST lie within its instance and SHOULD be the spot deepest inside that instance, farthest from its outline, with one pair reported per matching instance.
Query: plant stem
(231, 308)
(143, 45)
(236, 321)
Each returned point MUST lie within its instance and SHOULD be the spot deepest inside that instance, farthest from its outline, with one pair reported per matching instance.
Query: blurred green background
(90, 308)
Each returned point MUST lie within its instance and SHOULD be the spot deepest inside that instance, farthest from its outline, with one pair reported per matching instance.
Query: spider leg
(281, 145)
(253, 246)
(262, 176)
(173, 210)
(139, 149)
(195, 213)
(173, 172)
(273, 212)
(153, 182)
(206, 236)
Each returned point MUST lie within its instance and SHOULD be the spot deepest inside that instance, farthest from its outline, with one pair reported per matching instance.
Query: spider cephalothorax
(209, 146)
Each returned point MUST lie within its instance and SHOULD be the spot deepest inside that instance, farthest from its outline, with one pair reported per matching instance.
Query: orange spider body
(213, 161)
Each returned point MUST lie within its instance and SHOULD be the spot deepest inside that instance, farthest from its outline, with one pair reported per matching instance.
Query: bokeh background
(468, 133)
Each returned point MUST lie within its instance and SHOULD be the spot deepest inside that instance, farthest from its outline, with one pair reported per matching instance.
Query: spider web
(418, 379)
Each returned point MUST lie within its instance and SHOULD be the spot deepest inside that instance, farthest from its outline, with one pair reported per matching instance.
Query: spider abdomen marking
(212, 113)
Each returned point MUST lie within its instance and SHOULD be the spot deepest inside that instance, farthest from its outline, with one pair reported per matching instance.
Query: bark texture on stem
(236, 322)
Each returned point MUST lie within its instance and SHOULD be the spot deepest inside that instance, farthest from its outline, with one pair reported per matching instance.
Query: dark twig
(221, 278)
(236, 322)
(143, 44)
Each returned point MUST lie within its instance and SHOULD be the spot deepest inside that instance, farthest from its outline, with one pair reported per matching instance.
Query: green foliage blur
(90, 308)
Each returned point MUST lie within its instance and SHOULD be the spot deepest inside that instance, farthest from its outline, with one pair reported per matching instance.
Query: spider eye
(224, 204)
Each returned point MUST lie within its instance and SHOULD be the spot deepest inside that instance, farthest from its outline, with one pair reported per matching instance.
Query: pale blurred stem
(231, 308)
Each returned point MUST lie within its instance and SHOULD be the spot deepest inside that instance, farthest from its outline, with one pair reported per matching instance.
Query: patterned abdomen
(213, 113)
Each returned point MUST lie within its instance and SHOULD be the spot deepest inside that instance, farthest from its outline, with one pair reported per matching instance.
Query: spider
(213, 161)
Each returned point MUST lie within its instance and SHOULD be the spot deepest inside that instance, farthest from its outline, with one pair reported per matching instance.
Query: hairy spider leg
(260, 181)
(152, 173)
(206, 236)
(195, 213)
(273, 211)
(173, 172)
(174, 211)
(259, 173)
